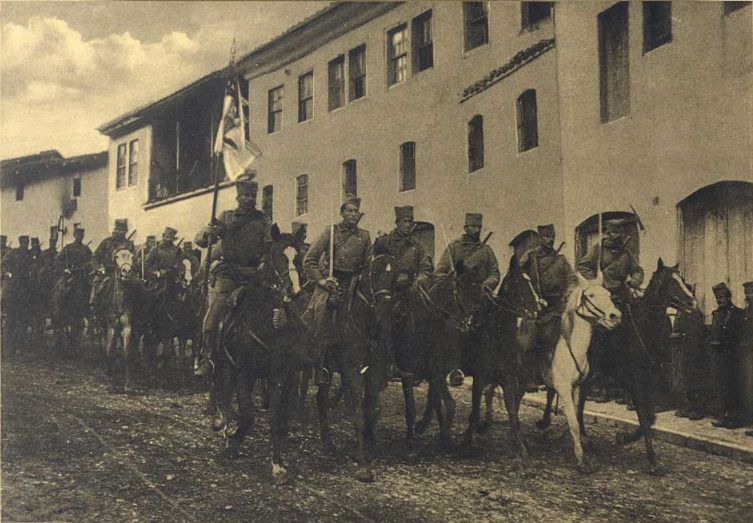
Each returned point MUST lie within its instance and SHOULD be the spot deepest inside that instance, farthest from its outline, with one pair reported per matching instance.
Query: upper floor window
(357, 72)
(274, 112)
(408, 166)
(336, 78)
(302, 194)
(614, 67)
(20, 186)
(423, 46)
(657, 24)
(528, 127)
(397, 55)
(306, 97)
(133, 163)
(476, 24)
(350, 177)
(531, 13)
(475, 143)
(76, 187)
(120, 170)
(730, 7)
(267, 199)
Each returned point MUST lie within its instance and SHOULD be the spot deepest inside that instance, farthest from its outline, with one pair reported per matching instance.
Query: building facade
(46, 190)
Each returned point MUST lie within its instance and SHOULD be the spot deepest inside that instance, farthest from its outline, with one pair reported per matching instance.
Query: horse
(69, 305)
(633, 347)
(259, 340)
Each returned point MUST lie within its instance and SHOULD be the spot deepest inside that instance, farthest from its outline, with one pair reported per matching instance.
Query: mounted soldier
(104, 257)
(143, 251)
(17, 266)
(242, 232)
(344, 249)
(163, 261)
(188, 255)
(75, 256)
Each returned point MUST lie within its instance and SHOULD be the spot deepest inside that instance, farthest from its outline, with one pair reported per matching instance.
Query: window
(531, 13)
(357, 73)
(267, 198)
(274, 113)
(306, 97)
(657, 24)
(528, 127)
(120, 173)
(302, 195)
(476, 24)
(20, 191)
(614, 75)
(133, 163)
(730, 7)
(350, 178)
(423, 47)
(397, 55)
(408, 166)
(337, 83)
(76, 187)
(475, 143)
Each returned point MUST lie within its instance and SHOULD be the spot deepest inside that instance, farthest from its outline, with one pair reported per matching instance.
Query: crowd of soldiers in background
(696, 347)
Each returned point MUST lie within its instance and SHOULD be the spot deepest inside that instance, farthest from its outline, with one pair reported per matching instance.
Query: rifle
(131, 235)
(180, 241)
(489, 235)
(559, 248)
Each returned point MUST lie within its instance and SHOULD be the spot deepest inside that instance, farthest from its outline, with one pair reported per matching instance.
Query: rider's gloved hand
(328, 283)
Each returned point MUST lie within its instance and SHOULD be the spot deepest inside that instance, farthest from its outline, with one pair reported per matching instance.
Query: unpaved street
(73, 451)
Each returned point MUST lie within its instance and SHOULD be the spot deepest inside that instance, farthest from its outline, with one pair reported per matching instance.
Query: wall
(514, 191)
(42, 207)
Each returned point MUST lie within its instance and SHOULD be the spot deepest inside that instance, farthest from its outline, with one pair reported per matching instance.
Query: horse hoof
(586, 466)
(657, 471)
(364, 475)
(219, 424)
(279, 475)
(543, 424)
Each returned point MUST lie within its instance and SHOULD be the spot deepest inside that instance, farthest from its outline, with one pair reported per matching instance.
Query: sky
(68, 67)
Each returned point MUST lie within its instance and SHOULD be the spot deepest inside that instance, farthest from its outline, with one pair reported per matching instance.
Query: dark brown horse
(69, 305)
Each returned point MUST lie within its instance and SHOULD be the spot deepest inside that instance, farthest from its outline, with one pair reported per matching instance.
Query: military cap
(473, 218)
(546, 229)
(246, 183)
(297, 226)
(169, 231)
(78, 229)
(121, 223)
(23, 238)
(151, 237)
(526, 235)
(404, 212)
(188, 245)
(614, 225)
(351, 199)
(3, 238)
(748, 287)
(35, 241)
(721, 289)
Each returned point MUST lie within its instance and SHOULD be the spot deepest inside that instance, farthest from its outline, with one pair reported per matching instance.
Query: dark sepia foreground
(73, 451)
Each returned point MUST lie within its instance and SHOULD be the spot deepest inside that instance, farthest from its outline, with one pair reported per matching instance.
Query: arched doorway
(716, 240)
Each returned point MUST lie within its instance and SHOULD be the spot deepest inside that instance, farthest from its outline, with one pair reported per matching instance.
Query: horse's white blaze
(388, 268)
(187, 271)
(295, 278)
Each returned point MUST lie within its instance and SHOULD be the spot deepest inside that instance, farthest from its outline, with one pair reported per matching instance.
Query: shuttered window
(475, 143)
(528, 125)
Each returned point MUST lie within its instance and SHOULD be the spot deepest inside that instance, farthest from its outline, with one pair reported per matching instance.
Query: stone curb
(674, 437)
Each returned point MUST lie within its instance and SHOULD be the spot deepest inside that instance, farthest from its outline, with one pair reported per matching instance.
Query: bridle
(588, 310)
(518, 312)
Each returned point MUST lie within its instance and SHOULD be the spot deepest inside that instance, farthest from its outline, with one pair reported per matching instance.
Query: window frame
(732, 7)
(76, 191)
(133, 165)
(267, 201)
(526, 21)
(393, 58)
(608, 116)
(467, 23)
(475, 144)
(272, 114)
(649, 9)
(353, 80)
(20, 191)
(527, 118)
(417, 47)
(120, 166)
(339, 60)
(349, 180)
(308, 101)
(301, 195)
(402, 186)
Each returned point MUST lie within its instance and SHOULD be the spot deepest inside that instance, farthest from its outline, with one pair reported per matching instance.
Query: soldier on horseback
(164, 259)
(470, 251)
(17, 266)
(243, 232)
(187, 254)
(75, 256)
(345, 249)
(104, 257)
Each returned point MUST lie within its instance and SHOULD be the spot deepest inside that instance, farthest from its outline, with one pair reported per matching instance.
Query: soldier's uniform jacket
(243, 237)
(727, 326)
(618, 266)
(552, 275)
(410, 256)
(104, 256)
(474, 255)
(164, 257)
(19, 263)
(74, 256)
(352, 249)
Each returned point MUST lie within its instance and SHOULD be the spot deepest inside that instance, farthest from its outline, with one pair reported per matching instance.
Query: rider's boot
(205, 365)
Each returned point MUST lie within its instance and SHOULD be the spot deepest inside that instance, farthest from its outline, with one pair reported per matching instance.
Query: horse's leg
(444, 406)
(512, 392)
(569, 396)
(410, 411)
(110, 340)
(322, 404)
(303, 389)
(279, 403)
(489, 392)
(125, 334)
(265, 399)
(580, 405)
(477, 390)
(370, 407)
(431, 398)
(546, 419)
(353, 381)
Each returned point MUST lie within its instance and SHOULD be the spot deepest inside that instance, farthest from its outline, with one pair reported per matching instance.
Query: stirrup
(202, 364)
(456, 382)
(323, 375)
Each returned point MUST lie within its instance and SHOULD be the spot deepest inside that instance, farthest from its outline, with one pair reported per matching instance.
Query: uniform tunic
(727, 326)
(74, 256)
(618, 265)
(104, 256)
(164, 257)
(410, 256)
(476, 256)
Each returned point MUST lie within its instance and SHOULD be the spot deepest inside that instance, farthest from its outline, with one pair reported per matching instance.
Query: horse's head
(517, 293)
(592, 302)
(123, 261)
(277, 260)
(667, 288)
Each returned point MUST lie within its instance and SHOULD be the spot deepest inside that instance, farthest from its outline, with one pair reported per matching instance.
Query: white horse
(588, 304)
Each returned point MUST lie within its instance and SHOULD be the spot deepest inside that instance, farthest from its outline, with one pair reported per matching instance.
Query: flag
(237, 151)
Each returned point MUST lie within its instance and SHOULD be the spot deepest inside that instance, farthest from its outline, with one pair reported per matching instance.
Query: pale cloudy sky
(67, 67)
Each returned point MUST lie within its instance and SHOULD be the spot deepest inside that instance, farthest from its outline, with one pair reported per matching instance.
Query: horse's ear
(599, 280)
(676, 266)
(582, 280)
(660, 264)
(274, 233)
(514, 263)
(299, 235)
